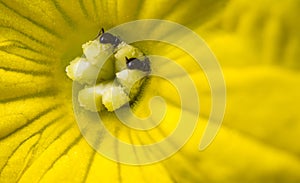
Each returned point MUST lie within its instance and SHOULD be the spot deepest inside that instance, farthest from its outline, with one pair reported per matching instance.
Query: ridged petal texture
(256, 42)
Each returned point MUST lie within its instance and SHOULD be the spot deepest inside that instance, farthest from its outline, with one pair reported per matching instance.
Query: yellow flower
(257, 44)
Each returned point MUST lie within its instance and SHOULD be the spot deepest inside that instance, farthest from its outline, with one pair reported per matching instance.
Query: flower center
(123, 69)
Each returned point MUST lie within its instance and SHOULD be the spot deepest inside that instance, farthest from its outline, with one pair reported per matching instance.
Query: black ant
(106, 38)
(134, 63)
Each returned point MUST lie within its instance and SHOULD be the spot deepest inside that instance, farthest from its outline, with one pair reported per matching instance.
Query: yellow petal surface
(256, 42)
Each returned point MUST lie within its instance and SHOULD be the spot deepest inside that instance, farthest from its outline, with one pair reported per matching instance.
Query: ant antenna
(127, 60)
(101, 31)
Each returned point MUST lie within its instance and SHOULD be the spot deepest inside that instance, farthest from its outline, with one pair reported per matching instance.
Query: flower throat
(119, 69)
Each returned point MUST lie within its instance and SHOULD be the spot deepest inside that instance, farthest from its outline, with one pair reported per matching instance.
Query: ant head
(131, 59)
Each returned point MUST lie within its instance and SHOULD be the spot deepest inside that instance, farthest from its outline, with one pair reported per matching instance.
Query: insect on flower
(134, 63)
(108, 38)
(106, 94)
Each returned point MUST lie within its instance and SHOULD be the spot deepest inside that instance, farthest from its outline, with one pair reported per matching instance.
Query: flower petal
(40, 141)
